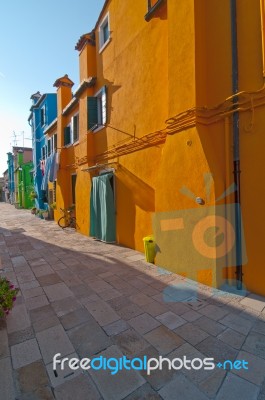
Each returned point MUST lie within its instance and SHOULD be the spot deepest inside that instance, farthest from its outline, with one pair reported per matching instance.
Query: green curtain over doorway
(102, 209)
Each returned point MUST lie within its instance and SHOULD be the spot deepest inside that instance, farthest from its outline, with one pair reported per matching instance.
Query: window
(43, 115)
(73, 187)
(71, 131)
(97, 110)
(49, 147)
(67, 135)
(43, 153)
(152, 5)
(75, 128)
(54, 138)
(104, 33)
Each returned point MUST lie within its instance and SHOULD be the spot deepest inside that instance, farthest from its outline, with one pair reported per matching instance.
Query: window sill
(152, 10)
(76, 143)
(104, 45)
(99, 128)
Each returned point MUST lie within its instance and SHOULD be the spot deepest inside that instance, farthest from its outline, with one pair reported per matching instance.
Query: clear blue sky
(37, 41)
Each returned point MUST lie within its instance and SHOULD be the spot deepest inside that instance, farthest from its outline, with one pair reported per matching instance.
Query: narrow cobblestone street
(81, 298)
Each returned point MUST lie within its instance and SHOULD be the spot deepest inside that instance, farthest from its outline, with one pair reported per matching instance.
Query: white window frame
(76, 115)
(104, 22)
(43, 112)
(49, 141)
(43, 152)
(53, 142)
(70, 126)
(102, 109)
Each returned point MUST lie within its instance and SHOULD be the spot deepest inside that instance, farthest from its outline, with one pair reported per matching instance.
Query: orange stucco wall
(175, 78)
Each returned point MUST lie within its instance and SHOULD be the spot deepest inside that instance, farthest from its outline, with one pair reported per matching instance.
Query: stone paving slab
(210, 326)
(25, 353)
(59, 375)
(215, 348)
(211, 385)
(254, 301)
(52, 341)
(88, 339)
(75, 318)
(65, 306)
(80, 387)
(239, 324)
(159, 377)
(130, 342)
(144, 392)
(7, 386)
(4, 349)
(255, 344)
(20, 336)
(102, 312)
(232, 338)
(191, 333)
(31, 377)
(191, 352)
(256, 368)
(56, 292)
(181, 385)
(237, 388)
(36, 302)
(163, 339)
(171, 320)
(118, 386)
(18, 319)
(84, 298)
(143, 323)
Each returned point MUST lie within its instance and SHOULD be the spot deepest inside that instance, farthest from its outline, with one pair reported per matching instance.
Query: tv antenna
(15, 135)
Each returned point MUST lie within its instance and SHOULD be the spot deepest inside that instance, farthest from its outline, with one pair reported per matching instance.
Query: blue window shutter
(92, 113)
(67, 135)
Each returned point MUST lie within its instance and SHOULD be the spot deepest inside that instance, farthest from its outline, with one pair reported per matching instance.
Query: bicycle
(67, 220)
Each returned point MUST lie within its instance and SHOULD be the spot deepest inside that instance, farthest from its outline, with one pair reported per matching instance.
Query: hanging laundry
(56, 166)
(52, 167)
(46, 173)
(42, 167)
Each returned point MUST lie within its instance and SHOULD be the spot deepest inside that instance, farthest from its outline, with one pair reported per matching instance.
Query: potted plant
(39, 213)
(34, 210)
(52, 206)
(45, 214)
(33, 195)
(8, 294)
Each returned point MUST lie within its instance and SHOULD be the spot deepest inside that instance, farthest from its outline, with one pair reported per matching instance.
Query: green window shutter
(67, 135)
(92, 113)
(75, 123)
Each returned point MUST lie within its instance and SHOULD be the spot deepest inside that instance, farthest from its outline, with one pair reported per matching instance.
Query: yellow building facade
(164, 135)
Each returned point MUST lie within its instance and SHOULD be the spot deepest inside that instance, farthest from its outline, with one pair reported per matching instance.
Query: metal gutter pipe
(236, 145)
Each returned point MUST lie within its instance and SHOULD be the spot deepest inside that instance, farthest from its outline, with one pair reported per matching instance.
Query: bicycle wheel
(63, 223)
(72, 222)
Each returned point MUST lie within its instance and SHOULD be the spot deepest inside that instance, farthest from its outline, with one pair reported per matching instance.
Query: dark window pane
(92, 113)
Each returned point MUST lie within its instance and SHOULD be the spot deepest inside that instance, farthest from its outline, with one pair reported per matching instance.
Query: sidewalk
(81, 298)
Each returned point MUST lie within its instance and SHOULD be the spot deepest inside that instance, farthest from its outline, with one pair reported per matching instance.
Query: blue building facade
(42, 113)
(11, 177)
